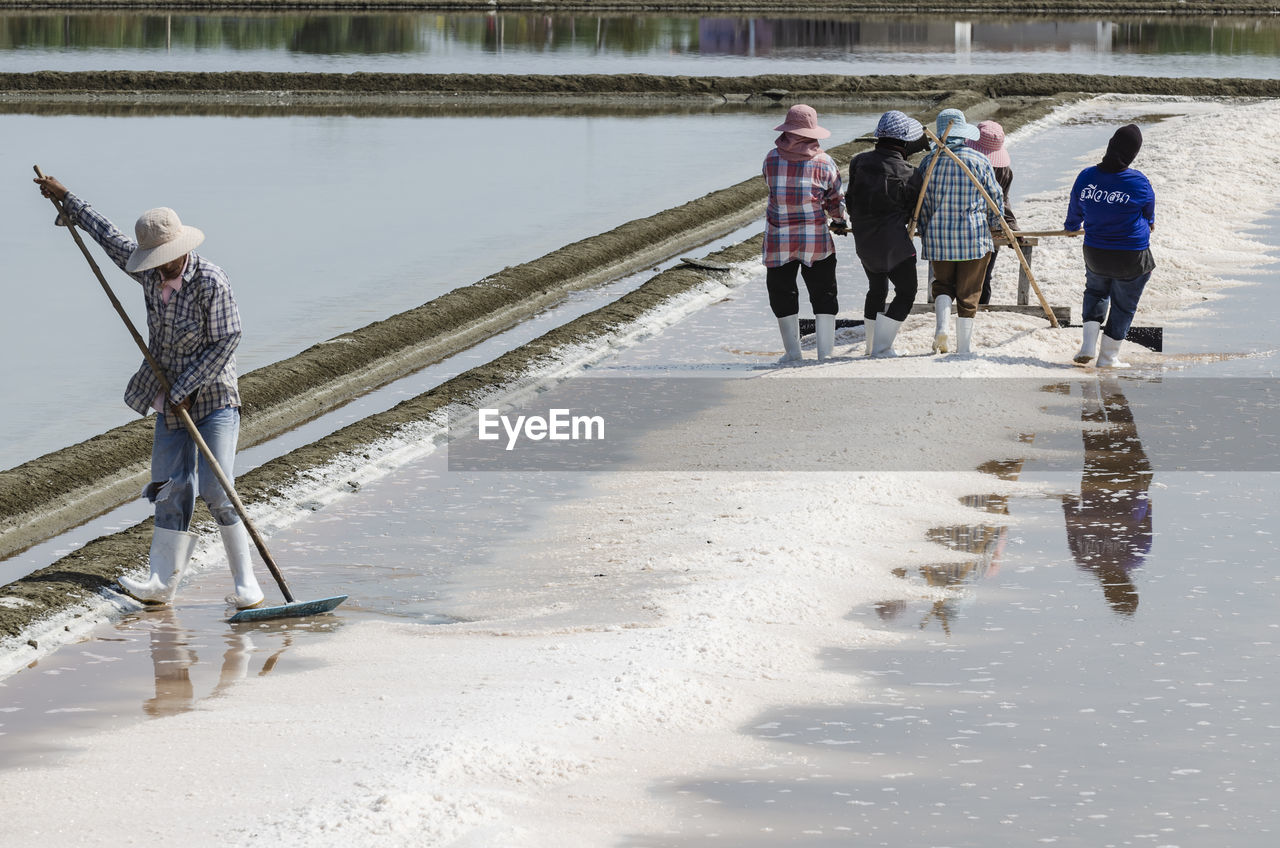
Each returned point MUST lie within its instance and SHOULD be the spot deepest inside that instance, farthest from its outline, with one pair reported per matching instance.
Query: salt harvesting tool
(915, 215)
(1008, 232)
(291, 608)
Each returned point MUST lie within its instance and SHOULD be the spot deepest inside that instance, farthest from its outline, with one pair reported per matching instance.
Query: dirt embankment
(72, 580)
(792, 8)
(198, 88)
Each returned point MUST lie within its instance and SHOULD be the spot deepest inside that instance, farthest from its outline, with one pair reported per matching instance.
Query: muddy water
(514, 43)
(324, 225)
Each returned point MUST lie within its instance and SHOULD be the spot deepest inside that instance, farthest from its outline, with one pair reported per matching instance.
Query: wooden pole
(928, 172)
(1008, 232)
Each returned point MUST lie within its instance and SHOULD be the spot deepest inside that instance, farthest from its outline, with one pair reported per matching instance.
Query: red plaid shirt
(801, 197)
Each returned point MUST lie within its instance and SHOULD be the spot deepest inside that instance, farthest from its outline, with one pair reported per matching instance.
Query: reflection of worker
(172, 658)
(194, 328)
(1109, 522)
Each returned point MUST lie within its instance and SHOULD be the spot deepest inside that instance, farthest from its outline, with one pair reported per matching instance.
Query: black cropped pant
(819, 279)
(903, 277)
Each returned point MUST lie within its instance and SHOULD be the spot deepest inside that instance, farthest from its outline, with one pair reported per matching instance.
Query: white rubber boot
(790, 329)
(1109, 353)
(941, 309)
(235, 539)
(1089, 347)
(170, 552)
(824, 331)
(886, 332)
(870, 327)
(964, 335)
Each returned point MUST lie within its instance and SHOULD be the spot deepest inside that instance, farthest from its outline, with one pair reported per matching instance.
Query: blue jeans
(1123, 295)
(174, 475)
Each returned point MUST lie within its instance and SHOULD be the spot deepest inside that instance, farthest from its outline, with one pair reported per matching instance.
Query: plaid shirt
(193, 336)
(801, 196)
(955, 222)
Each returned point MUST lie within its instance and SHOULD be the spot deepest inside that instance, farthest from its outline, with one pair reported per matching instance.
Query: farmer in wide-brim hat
(804, 191)
(194, 328)
(955, 226)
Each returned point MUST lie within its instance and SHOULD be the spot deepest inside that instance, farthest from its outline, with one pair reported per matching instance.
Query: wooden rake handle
(1008, 232)
(181, 412)
(928, 172)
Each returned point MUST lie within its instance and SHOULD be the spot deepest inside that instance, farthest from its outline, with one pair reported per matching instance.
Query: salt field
(706, 643)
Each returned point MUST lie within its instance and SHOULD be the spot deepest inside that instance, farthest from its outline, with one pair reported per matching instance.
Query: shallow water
(518, 44)
(324, 225)
(1048, 700)
(1094, 668)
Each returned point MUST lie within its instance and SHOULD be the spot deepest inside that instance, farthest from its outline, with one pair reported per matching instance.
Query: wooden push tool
(289, 609)
(1013, 241)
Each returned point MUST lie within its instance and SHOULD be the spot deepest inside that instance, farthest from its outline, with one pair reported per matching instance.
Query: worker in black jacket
(881, 197)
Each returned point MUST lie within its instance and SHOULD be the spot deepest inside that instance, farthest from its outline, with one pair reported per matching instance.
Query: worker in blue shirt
(1117, 208)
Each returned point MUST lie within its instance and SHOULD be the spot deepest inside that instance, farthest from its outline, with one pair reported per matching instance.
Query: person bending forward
(193, 327)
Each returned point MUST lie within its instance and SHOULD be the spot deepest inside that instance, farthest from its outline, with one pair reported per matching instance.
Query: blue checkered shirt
(955, 222)
(193, 337)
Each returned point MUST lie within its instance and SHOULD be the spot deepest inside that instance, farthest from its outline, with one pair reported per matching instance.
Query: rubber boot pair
(824, 333)
(171, 552)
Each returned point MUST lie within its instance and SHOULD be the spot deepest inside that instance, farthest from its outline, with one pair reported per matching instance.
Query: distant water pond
(324, 224)
(528, 43)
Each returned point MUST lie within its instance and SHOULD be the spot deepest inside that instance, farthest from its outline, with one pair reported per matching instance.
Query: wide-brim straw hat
(960, 128)
(991, 143)
(162, 237)
(802, 120)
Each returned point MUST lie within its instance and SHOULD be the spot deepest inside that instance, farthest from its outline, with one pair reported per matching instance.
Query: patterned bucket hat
(899, 125)
(991, 142)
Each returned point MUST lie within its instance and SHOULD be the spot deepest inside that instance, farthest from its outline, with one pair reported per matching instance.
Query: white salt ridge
(534, 728)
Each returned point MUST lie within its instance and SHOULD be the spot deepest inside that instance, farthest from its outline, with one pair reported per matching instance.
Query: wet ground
(1090, 667)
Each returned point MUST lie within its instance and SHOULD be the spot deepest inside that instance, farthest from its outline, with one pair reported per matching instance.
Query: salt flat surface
(646, 622)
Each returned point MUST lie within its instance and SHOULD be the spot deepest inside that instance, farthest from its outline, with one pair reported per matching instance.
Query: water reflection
(987, 541)
(1109, 522)
(174, 655)
(627, 35)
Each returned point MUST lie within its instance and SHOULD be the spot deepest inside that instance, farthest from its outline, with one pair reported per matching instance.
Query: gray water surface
(324, 224)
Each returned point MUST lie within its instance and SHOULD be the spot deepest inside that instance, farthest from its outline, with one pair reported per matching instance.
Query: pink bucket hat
(991, 142)
(802, 120)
